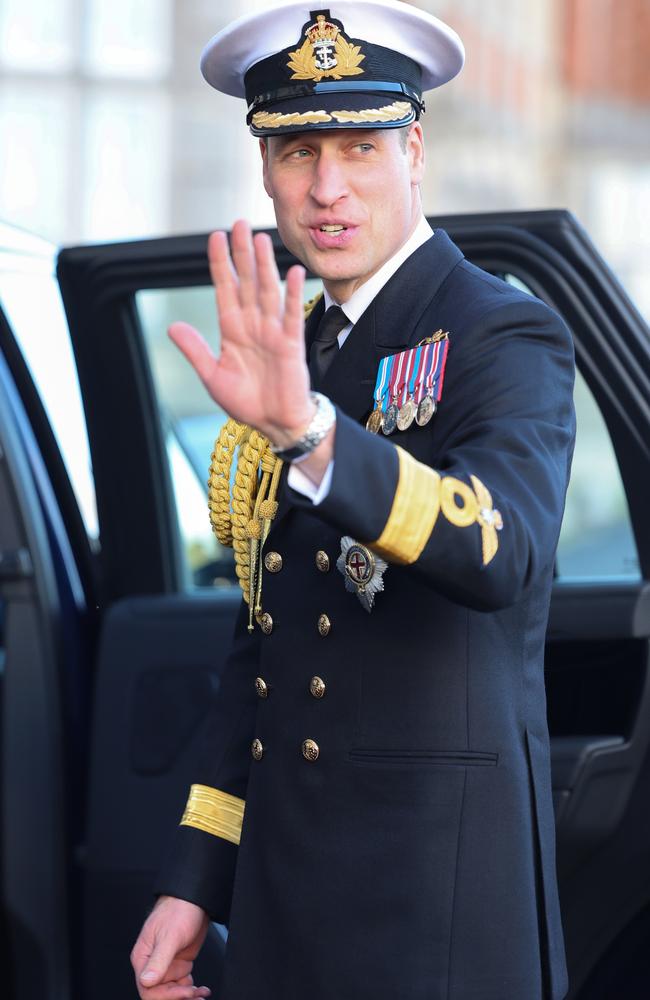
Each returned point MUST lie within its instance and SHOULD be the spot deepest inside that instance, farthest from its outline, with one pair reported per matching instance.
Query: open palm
(261, 376)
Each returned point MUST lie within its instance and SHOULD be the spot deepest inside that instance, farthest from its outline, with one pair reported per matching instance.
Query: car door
(168, 597)
(30, 625)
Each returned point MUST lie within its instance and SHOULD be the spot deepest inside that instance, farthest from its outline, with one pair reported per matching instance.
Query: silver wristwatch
(322, 421)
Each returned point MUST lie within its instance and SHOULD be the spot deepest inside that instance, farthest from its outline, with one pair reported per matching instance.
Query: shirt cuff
(299, 482)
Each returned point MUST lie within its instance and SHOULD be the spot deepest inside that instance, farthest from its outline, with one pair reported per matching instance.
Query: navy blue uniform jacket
(414, 859)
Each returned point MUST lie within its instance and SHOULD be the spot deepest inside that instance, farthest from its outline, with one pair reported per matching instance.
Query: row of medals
(401, 417)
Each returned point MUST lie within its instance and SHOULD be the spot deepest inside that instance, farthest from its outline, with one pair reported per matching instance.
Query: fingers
(180, 970)
(223, 275)
(163, 955)
(183, 990)
(270, 297)
(253, 281)
(176, 982)
(243, 255)
(294, 302)
(155, 970)
(195, 349)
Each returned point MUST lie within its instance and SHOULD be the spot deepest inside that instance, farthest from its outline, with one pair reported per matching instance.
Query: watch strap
(323, 420)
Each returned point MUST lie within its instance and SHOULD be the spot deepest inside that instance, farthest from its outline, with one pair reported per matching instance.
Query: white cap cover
(294, 63)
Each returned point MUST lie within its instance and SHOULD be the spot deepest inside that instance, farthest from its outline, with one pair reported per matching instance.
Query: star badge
(362, 569)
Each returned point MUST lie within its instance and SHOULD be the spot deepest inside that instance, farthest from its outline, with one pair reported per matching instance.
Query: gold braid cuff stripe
(215, 812)
(389, 113)
(414, 512)
(420, 496)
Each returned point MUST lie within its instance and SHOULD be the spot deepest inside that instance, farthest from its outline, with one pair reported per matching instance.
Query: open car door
(168, 597)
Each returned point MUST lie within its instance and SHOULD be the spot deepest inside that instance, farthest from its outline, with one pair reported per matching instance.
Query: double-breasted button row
(317, 687)
(324, 624)
(310, 750)
(273, 561)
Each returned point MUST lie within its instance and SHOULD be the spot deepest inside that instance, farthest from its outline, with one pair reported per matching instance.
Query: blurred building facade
(107, 130)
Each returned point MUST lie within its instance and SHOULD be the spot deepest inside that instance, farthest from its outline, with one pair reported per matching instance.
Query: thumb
(195, 348)
(159, 962)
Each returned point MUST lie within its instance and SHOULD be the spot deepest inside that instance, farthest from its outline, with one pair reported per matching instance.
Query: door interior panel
(33, 781)
(159, 663)
(598, 705)
(598, 710)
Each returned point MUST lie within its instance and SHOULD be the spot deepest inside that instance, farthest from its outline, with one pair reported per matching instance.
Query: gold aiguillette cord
(266, 507)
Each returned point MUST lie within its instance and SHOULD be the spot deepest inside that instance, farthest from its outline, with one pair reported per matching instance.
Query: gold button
(266, 623)
(317, 687)
(310, 750)
(257, 749)
(273, 562)
(261, 688)
(324, 625)
(322, 561)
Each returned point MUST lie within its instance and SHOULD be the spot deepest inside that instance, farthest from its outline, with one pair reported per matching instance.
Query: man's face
(345, 199)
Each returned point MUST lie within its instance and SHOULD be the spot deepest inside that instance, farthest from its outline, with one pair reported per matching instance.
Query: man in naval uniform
(374, 817)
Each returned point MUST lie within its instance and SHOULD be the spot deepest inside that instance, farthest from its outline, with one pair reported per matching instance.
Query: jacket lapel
(389, 324)
(311, 324)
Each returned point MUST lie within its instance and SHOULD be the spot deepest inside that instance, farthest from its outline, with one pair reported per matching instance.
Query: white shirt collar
(359, 301)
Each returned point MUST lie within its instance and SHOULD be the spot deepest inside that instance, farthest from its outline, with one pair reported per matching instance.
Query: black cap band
(307, 90)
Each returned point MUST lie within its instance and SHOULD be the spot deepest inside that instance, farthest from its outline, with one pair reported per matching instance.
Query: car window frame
(547, 250)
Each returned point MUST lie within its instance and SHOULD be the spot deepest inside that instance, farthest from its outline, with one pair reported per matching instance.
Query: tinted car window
(191, 421)
(596, 539)
(31, 302)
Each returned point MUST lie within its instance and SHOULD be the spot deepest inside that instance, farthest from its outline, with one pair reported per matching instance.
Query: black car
(117, 604)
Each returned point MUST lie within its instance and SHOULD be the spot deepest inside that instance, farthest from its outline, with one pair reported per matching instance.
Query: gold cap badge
(325, 53)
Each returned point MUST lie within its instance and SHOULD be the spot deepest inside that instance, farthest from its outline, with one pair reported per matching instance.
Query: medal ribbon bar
(396, 374)
(389, 423)
(416, 377)
(408, 374)
(381, 385)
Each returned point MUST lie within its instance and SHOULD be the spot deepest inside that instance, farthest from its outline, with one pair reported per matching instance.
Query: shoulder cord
(241, 518)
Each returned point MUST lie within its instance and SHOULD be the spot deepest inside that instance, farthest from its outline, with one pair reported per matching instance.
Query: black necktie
(325, 343)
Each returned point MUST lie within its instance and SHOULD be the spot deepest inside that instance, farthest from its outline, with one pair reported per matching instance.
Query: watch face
(322, 421)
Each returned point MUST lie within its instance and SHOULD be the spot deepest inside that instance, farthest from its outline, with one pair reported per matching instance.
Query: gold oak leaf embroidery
(348, 59)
